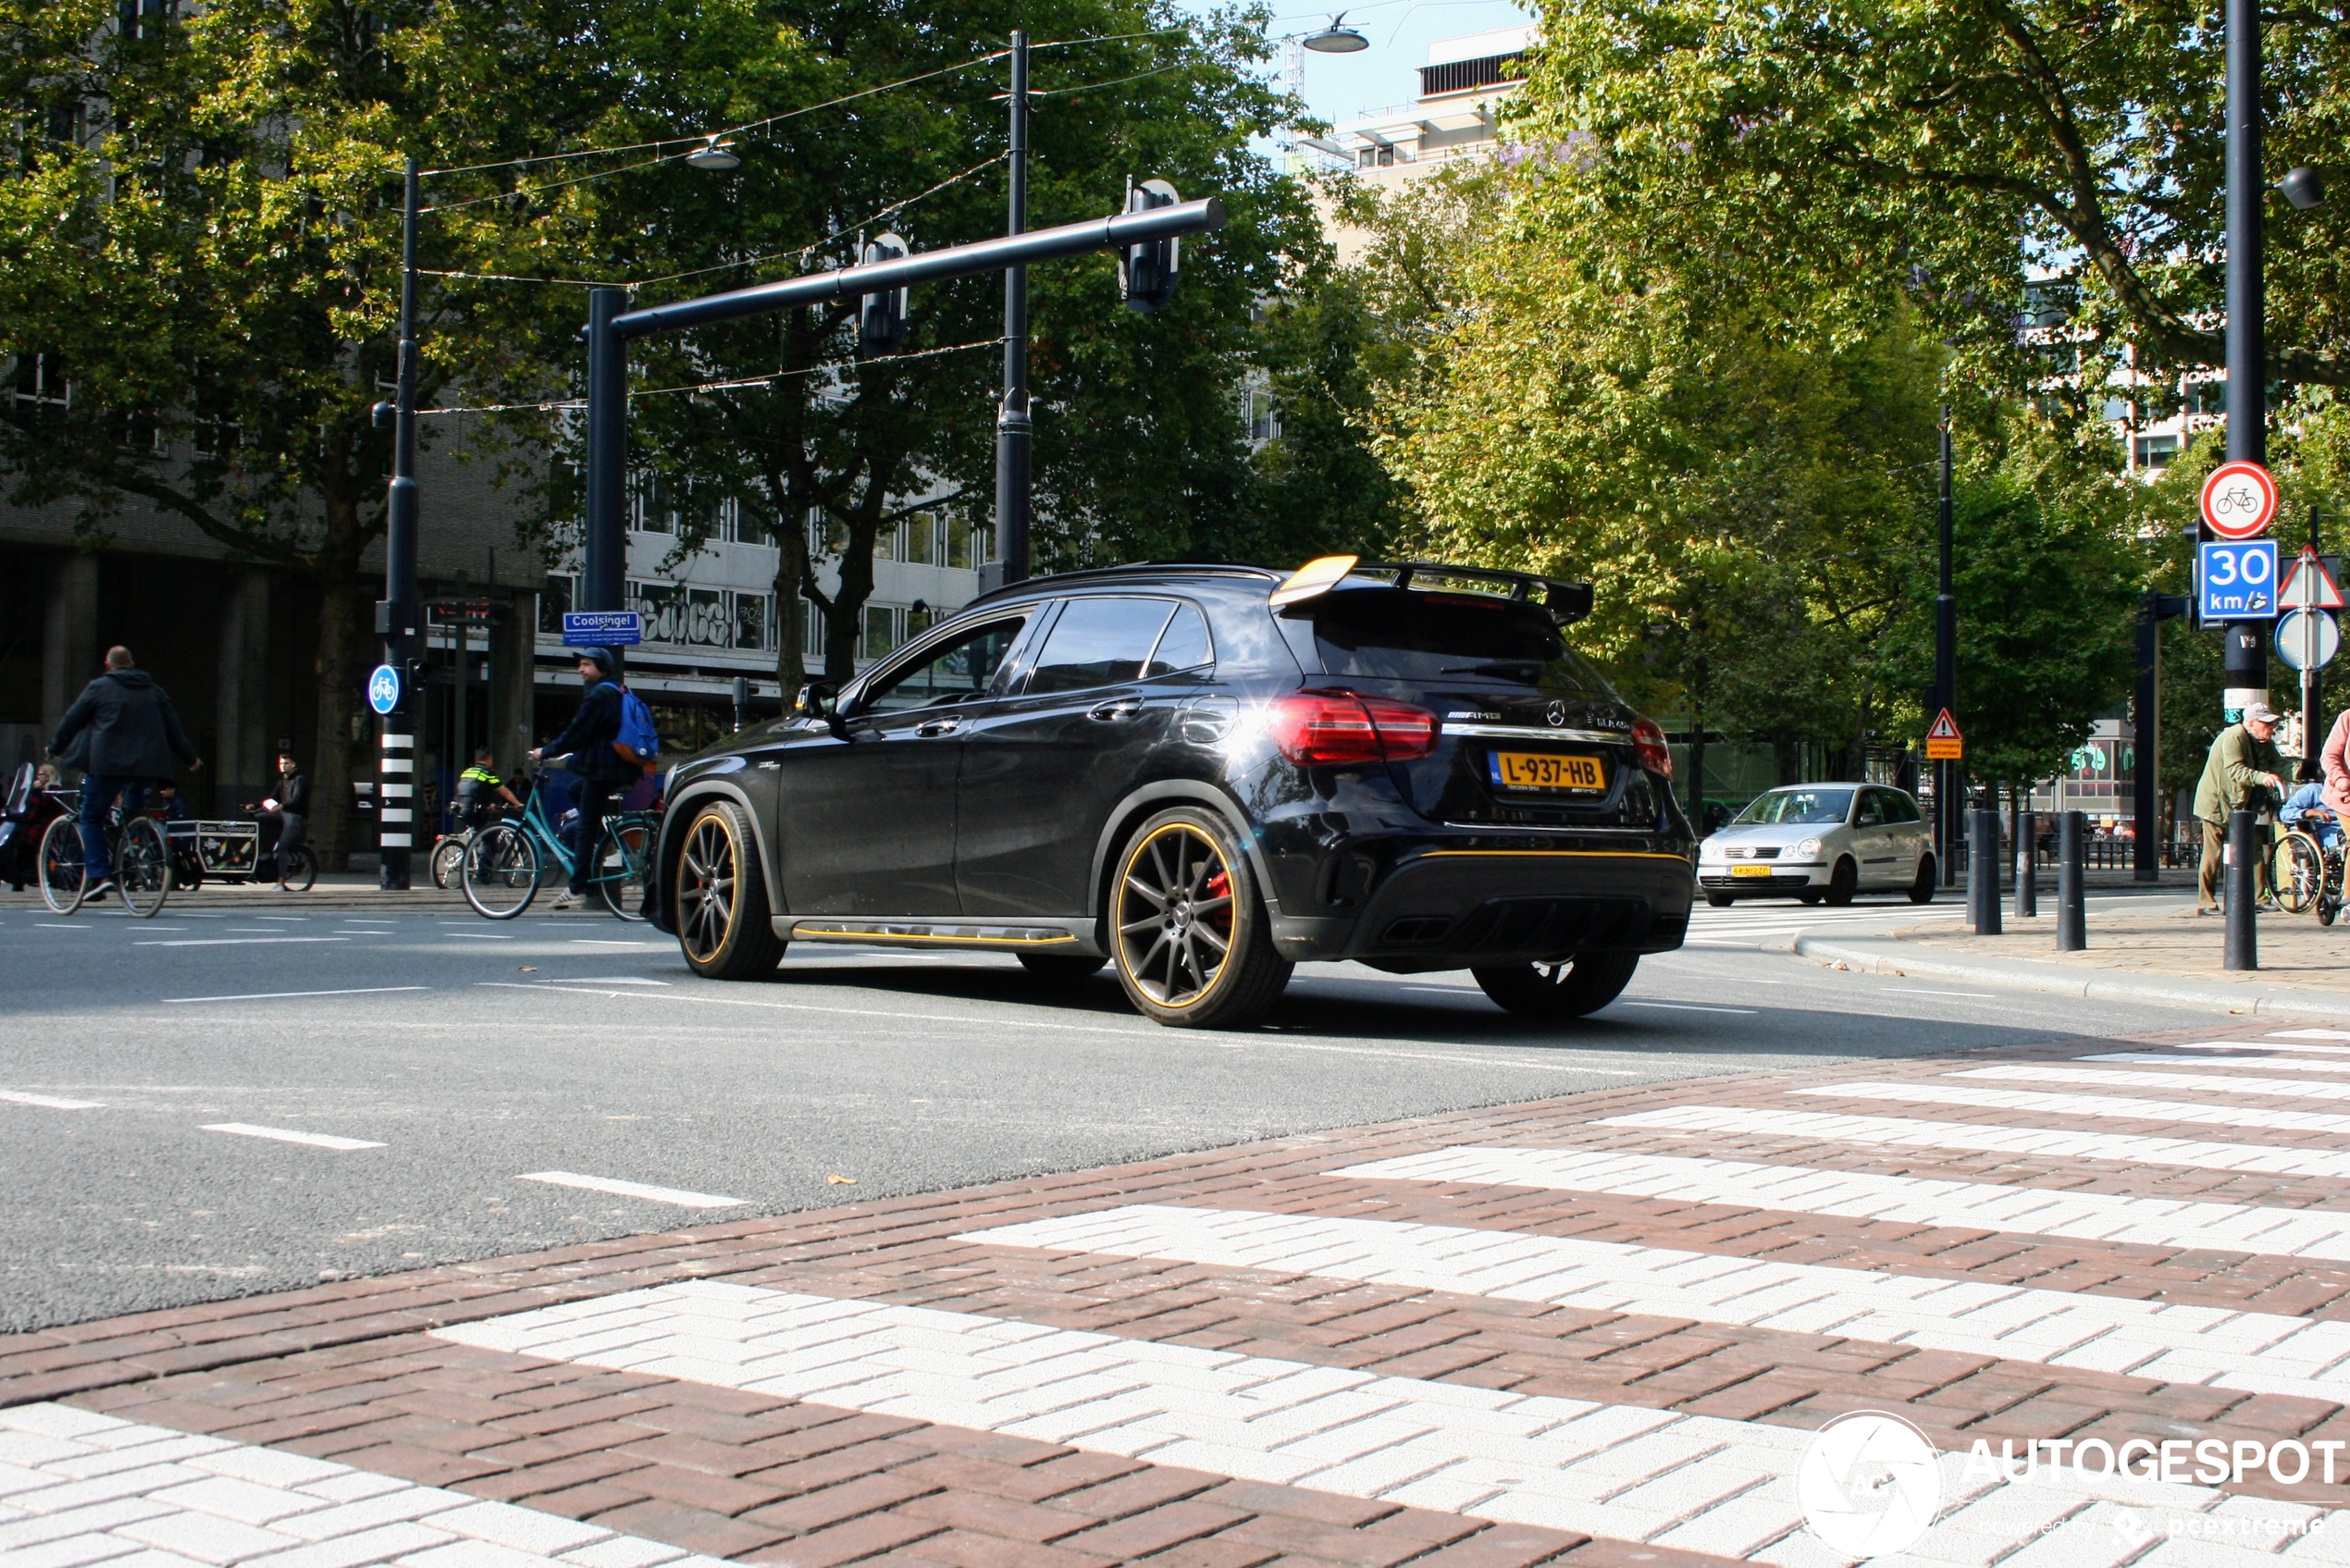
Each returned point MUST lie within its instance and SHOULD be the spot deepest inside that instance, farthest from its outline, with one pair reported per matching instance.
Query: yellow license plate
(1537, 770)
(1749, 870)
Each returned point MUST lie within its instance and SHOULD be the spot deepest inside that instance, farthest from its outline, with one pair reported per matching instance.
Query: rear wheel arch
(1138, 808)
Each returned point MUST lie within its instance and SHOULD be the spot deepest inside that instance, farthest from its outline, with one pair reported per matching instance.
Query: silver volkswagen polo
(1821, 842)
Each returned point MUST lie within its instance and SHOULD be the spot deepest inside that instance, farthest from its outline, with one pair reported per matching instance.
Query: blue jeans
(98, 792)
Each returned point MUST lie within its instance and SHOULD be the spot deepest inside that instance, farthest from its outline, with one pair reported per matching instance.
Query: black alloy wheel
(1569, 990)
(1188, 930)
(722, 899)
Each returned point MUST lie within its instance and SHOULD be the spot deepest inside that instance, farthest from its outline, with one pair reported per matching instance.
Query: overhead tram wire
(731, 384)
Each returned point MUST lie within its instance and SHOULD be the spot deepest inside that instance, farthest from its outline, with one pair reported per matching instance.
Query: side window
(1183, 646)
(959, 670)
(1899, 808)
(1099, 642)
(1870, 813)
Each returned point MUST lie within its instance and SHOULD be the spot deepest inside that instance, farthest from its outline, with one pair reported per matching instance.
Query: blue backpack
(638, 743)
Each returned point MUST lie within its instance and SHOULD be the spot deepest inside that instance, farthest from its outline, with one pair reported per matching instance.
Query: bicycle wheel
(447, 857)
(61, 879)
(297, 869)
(618, 873)
(142, 867)
(2300, 871)
(500, 872)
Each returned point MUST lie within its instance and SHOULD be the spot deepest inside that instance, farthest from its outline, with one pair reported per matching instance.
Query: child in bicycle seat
(2306, 808)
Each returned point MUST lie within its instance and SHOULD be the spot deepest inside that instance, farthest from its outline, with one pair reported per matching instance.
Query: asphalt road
(469, 1059)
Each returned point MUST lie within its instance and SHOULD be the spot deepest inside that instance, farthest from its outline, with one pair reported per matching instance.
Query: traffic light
(881, 318)
(1146, 272)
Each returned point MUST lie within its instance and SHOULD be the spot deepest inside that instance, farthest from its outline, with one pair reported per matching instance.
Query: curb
(2052, 980)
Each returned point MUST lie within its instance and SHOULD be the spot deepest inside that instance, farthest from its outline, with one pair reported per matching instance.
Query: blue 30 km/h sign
(2236, 579)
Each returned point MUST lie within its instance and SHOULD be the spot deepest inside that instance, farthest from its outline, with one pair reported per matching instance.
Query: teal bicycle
(506, 862)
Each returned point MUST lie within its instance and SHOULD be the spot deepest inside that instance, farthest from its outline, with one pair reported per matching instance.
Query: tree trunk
(845, 628)
(791, 609)
(337, 673)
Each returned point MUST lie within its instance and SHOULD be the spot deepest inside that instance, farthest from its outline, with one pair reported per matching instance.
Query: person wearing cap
(601, 774)
(2244, 762)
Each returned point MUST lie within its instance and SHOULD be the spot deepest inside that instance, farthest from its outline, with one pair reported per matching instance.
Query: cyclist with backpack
(612, 742)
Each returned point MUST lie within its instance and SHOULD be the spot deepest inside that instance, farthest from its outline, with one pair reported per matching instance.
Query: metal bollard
(1983, 871)
(2243, 890)
(2073, 916)
(2027, 871)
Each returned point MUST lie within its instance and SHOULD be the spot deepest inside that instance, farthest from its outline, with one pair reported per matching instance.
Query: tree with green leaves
(1942, 146)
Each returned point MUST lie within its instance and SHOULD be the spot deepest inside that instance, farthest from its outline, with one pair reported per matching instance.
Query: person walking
(133, 739)
(2244, 772)
(600, 771)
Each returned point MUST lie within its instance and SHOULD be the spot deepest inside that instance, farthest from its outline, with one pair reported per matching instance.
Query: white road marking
(1970, 995)
(1688, 1007)
(287, 919)
(2117, 1107)
(2122, 1148)
(281, 1135)
(1973, 1205)
(603, 979)
(2260, 1353)
(2273, 1062)
(1697, 1481)
(51, 1102)
(2275, 1088)
(678, 1196)
(609, 942)
(2311, 1034)
(57, 925)
(237, 1504)
(274, 996)
(235, 941)
(475, 936)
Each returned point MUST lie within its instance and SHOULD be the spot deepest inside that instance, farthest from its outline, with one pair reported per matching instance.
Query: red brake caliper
(1220, 886)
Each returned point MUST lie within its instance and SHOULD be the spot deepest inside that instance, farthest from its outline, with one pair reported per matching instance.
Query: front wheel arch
(678, 815)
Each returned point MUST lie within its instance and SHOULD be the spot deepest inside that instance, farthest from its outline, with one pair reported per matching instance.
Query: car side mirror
(816, 701)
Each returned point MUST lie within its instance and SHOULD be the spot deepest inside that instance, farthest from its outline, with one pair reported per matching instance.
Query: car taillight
(1320, 729)
(1650, 747)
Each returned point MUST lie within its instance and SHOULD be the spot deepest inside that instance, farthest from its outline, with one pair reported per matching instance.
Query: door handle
(771, 763)
(931, 728)
(1122, 707)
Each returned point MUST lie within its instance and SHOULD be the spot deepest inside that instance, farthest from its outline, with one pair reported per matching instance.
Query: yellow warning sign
(1943, 742)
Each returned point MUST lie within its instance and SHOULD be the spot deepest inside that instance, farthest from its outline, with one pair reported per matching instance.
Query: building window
(881, 631)
(922, 539)
(41, 378)
(1262, 415)
(812, 629)
(553, 600)
(2156, 452)
(1465, 75)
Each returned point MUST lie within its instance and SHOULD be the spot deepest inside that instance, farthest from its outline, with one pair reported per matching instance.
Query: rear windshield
(1401, 635)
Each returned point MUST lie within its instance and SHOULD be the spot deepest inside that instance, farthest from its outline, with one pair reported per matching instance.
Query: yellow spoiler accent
(1313, 578)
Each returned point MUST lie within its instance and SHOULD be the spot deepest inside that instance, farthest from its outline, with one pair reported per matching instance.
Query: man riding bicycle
(601, 771)
(134, 739)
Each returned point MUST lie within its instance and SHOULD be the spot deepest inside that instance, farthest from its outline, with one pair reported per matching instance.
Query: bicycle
(143, 869)
(504, 862)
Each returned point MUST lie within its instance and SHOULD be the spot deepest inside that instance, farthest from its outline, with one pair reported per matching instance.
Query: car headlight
(1808, 848)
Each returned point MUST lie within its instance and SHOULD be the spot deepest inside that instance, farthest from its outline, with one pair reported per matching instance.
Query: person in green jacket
(2244, 760)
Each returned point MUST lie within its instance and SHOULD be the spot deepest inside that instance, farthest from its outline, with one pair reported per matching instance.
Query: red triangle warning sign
(1945, 728)
(2308, 585)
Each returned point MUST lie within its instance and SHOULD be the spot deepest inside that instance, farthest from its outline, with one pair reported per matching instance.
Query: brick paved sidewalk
(1596, 1329)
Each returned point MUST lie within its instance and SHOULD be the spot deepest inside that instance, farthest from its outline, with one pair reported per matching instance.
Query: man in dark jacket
(282, 816)
(601, 772)
(134, 739)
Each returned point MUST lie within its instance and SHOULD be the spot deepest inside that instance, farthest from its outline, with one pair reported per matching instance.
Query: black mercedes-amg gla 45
(1203, 776)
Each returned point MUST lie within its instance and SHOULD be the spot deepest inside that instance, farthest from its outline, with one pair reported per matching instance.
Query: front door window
(959, 670)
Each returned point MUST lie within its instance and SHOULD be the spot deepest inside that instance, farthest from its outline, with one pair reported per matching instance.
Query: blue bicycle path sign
(2236, 579)
(383, 689)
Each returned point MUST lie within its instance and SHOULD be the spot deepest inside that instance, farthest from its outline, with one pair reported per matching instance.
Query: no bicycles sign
(2239, 501)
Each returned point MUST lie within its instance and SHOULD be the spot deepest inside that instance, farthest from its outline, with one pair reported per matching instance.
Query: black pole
(2073, 916)
(396, 778)
(1982, 872)
(1946, 681)
(2245, 646)
(2027, 868)
(2310, 677)
(1013, 428)
(2145, 725)
(603, 584)
(2244, 872)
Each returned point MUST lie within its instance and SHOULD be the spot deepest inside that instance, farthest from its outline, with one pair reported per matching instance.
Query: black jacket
(589, 736)
(134, 731)
(293, 794)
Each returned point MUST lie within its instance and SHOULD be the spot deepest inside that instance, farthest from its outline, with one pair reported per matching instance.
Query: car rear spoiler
(1567, 602)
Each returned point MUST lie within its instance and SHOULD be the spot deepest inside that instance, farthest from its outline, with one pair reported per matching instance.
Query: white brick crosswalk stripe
(2270, 1043)
(80, 1488)
(2225, 1064)
(2104, 1106)
(2258, 1352)
(1701, 1483)
(2193, 1083)
(2120, 1148)
(2027, 1211)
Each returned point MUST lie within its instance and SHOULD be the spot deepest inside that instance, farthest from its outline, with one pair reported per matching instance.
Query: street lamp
(2302, 188)
(717, 155)
(1337, 39)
